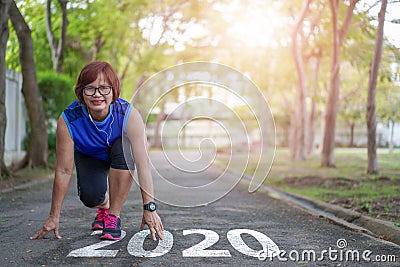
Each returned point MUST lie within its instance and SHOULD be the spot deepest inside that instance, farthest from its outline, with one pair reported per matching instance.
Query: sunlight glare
(253, 25)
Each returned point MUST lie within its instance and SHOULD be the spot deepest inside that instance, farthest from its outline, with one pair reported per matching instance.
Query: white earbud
(107, 135)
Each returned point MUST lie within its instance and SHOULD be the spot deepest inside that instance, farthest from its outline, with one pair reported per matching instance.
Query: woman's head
(90, 73)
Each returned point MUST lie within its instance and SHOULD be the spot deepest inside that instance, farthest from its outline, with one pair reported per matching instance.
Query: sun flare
(252, 24)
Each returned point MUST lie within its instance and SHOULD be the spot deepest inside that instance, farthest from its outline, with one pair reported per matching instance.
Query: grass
(33, 173)
(347, 184)
(366, 192)
(350, 163)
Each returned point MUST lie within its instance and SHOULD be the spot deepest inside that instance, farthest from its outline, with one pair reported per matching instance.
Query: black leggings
(92, 173)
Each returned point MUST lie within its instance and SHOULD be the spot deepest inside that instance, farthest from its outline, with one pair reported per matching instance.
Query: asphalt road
(240, 229)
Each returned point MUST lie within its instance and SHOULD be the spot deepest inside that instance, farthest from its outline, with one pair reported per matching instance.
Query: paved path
(234, 229)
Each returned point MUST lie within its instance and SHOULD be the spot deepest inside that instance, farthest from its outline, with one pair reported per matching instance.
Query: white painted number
(135, 245)
(198, 250)
(91, 251)
(237, 242)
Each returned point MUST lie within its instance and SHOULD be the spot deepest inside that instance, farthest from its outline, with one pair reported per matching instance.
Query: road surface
(240, 229)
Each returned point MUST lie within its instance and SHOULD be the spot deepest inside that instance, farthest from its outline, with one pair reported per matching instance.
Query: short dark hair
(89, 74)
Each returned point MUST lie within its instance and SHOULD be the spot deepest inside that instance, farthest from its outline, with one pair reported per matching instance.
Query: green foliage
(33, 12)
(367, 207)
(352, 106)
(57, 93)
(51, 139)
(151, 118)
(388, 102)
(128, 35)
(12, 50)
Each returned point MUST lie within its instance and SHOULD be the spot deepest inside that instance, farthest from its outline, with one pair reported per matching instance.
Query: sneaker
(112, 228)
(98, 222)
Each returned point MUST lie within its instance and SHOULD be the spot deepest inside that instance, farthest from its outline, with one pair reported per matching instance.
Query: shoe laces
(101, 214)
(110, 221)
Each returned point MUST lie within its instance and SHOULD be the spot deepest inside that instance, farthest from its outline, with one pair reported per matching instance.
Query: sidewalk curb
(348, 218)
(28, 184)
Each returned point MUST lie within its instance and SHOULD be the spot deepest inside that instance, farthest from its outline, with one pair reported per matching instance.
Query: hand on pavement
(153, 221)
(52, 224)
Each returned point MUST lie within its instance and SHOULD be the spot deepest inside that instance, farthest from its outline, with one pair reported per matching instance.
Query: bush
(57, 93)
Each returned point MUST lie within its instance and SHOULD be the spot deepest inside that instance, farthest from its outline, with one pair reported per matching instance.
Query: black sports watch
(151, 206)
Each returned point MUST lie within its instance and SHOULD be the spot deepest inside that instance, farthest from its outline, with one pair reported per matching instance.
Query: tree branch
(63, 34)
(346, 24)
(57, 49)
(49, 31)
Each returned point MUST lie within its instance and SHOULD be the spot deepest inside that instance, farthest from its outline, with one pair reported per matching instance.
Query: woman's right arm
(63, 172)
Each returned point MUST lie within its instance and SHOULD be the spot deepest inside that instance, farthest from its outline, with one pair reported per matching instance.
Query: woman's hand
(52, 224)
(153, 221)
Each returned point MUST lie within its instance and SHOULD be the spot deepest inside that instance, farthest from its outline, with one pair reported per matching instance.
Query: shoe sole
(97, 227)
(110, 237)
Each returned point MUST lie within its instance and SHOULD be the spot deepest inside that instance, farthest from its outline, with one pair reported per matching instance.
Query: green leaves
(57, 91)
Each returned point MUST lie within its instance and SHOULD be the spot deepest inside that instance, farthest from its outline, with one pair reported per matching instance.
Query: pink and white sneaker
(98, 223)
(112, 228)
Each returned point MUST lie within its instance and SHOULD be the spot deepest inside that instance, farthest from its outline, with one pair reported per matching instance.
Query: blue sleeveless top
(94, 138)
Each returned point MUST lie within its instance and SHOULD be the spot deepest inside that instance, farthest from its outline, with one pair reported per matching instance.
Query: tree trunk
(391, 137)
(351, 144)
(312, 124)
(4, 32)
(136, 96)
(328, 143)
(57, 49)
(37, 151)
(299, 117)
(371, 104)
(312, 121)
(160, 118)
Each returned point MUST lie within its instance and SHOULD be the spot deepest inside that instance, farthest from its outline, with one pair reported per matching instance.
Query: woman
(89, 133)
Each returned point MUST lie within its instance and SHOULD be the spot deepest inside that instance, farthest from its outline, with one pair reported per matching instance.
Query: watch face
(152, 206)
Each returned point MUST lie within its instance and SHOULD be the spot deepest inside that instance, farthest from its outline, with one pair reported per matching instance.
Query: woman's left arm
(137, 136)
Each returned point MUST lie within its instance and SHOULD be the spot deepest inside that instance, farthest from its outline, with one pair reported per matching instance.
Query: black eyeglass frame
(101, 87)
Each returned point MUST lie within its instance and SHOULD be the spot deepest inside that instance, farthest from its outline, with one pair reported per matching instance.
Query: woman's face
(98, 104)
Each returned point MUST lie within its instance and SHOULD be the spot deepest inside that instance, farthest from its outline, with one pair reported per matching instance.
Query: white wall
(16, 118)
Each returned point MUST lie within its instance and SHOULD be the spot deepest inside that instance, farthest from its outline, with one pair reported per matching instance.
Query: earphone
(108, 135)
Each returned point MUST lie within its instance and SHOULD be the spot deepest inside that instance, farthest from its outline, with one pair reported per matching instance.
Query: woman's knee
(92, 199)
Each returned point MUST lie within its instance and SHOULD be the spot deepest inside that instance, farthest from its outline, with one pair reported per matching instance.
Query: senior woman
(89, 133)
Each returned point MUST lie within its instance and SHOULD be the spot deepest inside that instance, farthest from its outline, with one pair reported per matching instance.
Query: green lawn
(350, 163)
(347, 184)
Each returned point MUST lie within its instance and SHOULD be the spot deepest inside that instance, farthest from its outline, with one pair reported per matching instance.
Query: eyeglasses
(91, 90)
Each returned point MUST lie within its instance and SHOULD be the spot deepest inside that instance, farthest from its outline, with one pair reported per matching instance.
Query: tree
(37, 151)
(338, 35)
(371, 102)
(307, 52)
(33, 12)
(57, 48)
(4, 32)
(299, 114)
(352, 105)
(388, 102)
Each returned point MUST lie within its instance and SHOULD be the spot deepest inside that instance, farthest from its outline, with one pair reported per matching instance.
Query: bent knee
(92, 201)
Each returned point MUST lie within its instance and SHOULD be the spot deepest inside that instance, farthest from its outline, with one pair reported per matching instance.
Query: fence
(16, 118)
